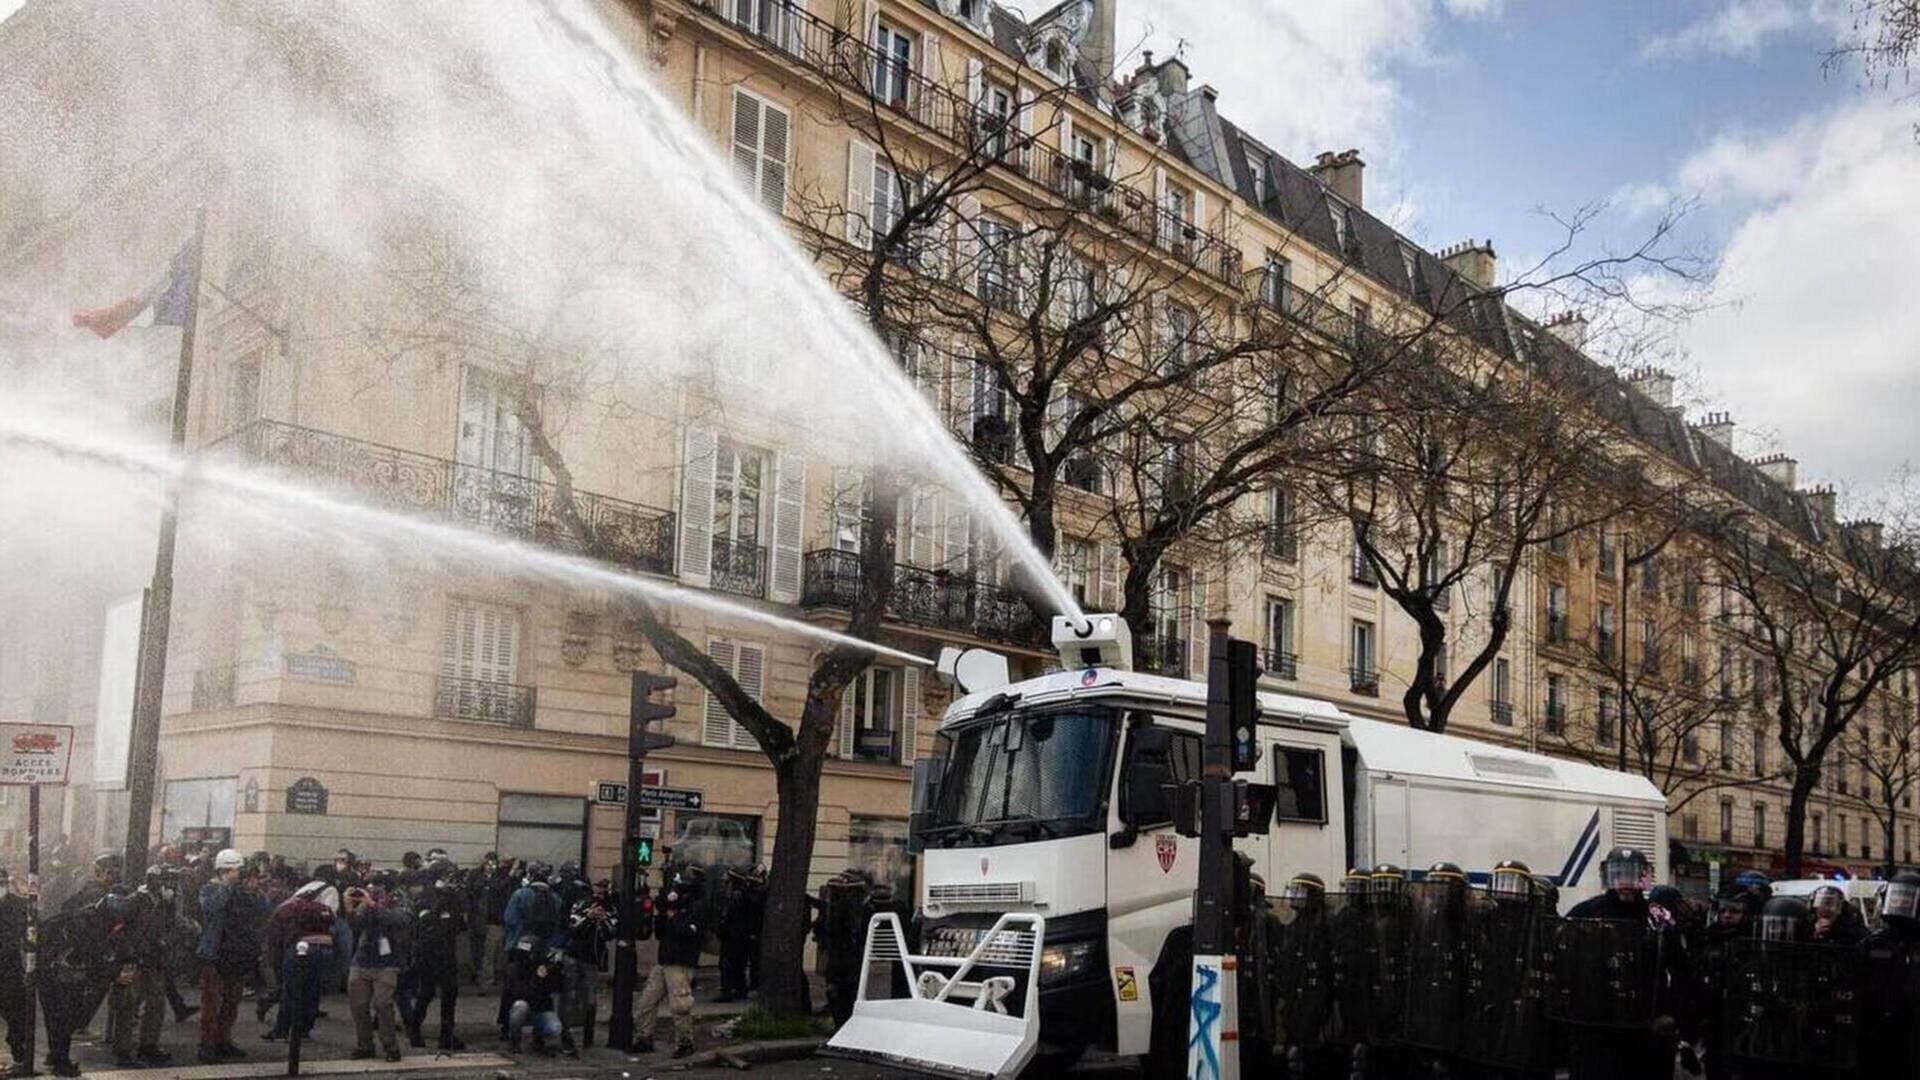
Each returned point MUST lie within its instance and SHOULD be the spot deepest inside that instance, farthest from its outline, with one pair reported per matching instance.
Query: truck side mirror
(926, 792)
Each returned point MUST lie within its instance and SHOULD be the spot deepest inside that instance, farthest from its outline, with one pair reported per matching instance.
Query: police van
(1051, 875)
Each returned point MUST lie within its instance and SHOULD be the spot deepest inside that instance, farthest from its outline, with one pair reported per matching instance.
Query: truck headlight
(1063, 961)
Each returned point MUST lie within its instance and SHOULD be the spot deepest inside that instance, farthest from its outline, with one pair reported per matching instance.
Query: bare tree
(1832, 618)
(1887, 753)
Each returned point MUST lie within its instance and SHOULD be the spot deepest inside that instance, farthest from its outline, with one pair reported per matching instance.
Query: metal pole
(297, 1003)
(626, 965)
(143, 750)
(30, 953)
(1214, 1046)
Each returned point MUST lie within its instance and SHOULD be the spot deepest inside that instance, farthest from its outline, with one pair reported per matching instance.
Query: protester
(229, 949)
(679, 929)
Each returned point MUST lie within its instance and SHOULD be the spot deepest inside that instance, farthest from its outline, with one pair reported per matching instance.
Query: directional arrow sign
(669, 798)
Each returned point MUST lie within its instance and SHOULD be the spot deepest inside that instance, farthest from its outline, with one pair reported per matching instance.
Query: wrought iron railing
(1280, 664)
(939, 599)
(483, 702)
(739, 567)
(1161, 656)
(1503, 713)
(1283, 543)
(1557, 627)
(1363, 679)
(784, 27)
(1556, 718)
(625, 533)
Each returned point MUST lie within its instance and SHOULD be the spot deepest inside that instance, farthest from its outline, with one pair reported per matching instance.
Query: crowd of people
(1423, 975)
(394, 941)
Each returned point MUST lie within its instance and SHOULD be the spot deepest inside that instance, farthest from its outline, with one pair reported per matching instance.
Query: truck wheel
(1053, 1061)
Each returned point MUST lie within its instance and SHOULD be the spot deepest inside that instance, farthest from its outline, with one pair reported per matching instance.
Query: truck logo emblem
(1165, 847)
(983, 866)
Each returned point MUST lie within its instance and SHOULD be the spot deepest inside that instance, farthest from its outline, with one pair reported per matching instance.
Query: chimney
(1821, 498)
(1718, 427)
(1474, 260)
(1097, 49)
(1867, 531)
(1571, 327)
(1341, 173)
(1656, 384)
(1173, 76)
(1780, 469)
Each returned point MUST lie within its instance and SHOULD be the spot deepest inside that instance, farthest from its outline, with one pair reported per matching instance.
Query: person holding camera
(375, 974)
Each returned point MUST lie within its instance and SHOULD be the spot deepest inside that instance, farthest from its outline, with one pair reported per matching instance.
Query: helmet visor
(1299, 893)
(1827, 902)
(1385, 884)
(1902, 901)
(1780, 928)
(1509, 884)
(1624, 874)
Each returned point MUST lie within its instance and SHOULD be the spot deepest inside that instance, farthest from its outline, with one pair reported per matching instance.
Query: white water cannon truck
(1052, 877)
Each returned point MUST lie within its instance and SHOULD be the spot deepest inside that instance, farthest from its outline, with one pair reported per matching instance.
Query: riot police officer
(1621, 977)
(1834, 920)
(439, 925)
(13, 984)
(740, 922)
(1507, 1033)
(1349, 1028)
(1892, 1041)
(1300, 959)
(1437, 964)
(1384, 1052)
(137, 997)
(845, 904)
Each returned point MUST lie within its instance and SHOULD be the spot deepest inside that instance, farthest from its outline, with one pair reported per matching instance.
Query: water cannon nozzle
(1093, 641)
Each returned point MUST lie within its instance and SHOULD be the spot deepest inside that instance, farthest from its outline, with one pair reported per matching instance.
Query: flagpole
(143, 751)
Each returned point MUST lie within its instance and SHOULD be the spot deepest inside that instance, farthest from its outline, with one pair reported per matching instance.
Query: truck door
(1151, 870)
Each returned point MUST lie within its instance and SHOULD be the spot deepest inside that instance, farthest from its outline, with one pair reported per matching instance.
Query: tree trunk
(1425, 702)
(1891, 865)
(1805, 776)
(783, 987)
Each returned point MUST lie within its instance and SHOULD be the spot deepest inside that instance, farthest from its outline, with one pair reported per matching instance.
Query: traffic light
(643, 710)
(1243, 702)
(643, 851)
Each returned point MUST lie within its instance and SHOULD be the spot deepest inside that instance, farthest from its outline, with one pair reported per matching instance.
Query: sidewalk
(328, 1051)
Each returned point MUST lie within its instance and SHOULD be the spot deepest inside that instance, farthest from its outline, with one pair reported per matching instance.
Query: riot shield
(1791, 1003)
(1509, 977)
(1299, 984)
(1436, 965)
(1606, 974)
(1350, 941)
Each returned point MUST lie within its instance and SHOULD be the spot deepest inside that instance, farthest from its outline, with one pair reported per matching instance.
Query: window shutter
(696, 506)
(930, 66)
(966, 243)
(789, 518)
(456, 644)
(716, 727)
(859, 208)
(1197, 631)
(1110, 577)
(870, 19)
(774, 127)
(958, 531)
(845, 746)
(1110, 162)
(976, 83)
(746, 140)
(909, 714)
(965, 371)
(753, 662)
(1023, 102)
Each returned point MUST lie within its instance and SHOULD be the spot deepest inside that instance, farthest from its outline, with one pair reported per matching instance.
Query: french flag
(166, 299)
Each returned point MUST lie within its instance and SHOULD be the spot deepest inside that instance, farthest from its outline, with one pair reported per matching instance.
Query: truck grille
(993, 894)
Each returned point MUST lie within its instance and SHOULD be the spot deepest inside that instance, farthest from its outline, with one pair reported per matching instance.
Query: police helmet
(1511, 880)
(1784, 918)
(1754, 883)
(1626, 868)
(1548, 890)
(1304, 888)
(1356, 882)
(1446, 873)
(1828, 900)
(1387, 880)
(1900, 898)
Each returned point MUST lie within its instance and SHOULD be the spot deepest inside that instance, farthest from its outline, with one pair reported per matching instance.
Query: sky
(1487, 118)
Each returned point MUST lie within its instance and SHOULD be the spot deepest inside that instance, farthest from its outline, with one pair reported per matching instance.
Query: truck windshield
(1024, 776)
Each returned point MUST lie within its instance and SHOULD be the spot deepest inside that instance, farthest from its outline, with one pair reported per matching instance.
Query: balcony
(785, 28)
(1556, 718)
(739, 568)
(482, 702)
(624, 533)
(1502, 712)
(1556, 628)
(1283, 543)
(1161, 656)
(1364, 679)
(936, 599)
(1280, 664)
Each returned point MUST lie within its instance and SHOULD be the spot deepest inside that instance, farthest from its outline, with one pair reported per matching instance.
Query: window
(1649, 645)
(739, 498)
(1556, 529)
(1056, 60)
(1726, 821)
(1073, 562)
(479, 665)
(1179, 218)
(1842, 838)
(1817, 831)
(1281, 660)
(1726, 744)
(491, 436)
(1362, 319)
(1608, 557)
(1556, 613)
(1726, 674)
(760, 131)
(1337, 213)
(871, 713)
(1690, 745)
(1556, 704)
(1362, 570)
(1282, 542)
(1274, 280)
(1411, 264)
(203, 806)
(542, 828)
(1605, 717)
(892, 63)
(1759, 750)
(988, 429)
(994, 275)
(1690, 826)
(243, 392)
(1084, 167)
(1650, 574)
(1759, 825)
(1177, 349)
(1502, 692)
(1362, 654)
(747, 664)
(996, 120)
(1437, 569)
(1603, 630)
(879, 847)
(1300, 793)
(1168, 610)
(889, 201)
(1156, 756)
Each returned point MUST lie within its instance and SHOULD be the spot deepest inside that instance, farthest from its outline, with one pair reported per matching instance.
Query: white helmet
(229, 859)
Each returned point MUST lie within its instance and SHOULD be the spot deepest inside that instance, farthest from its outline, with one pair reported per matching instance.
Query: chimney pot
(1821, 498)
(1341, 173)
(1869, 532)
(1474, 260)
(1780, 469)
(1718, 427)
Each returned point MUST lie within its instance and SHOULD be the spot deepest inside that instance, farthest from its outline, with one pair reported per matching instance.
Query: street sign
(614, 793)
(37, 753)
(672, 798)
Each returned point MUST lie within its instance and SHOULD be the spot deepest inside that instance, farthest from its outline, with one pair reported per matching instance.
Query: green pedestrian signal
(643, 850)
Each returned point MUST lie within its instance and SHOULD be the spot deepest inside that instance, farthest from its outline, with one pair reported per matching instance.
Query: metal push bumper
(955, 1019)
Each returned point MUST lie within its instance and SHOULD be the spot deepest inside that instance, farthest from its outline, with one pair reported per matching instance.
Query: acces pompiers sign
(35, 753)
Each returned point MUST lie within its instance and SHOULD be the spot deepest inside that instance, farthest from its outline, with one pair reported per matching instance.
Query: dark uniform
(746, 910)
(71, 979)
(590, 930)
(1891, 1042)
(439, 923)
(1621, 978)
(13, 984)
(844, 909)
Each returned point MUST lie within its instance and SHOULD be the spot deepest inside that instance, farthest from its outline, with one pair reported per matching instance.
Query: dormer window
(1412, 266)
(972, 10)
(1337, 210)
(1056, 60)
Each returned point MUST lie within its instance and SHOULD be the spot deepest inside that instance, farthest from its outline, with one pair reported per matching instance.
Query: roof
(1403, 751)
(1094, 683)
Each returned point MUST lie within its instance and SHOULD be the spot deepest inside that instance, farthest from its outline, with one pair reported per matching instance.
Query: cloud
(1815, 336)
(1743, 27)
(1300, 77)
